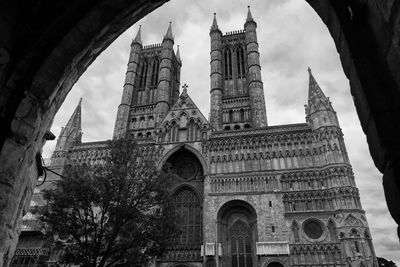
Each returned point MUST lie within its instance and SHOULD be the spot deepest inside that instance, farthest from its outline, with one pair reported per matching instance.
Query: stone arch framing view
(65, 37)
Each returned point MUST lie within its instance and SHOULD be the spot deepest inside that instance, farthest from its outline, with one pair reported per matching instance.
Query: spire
(249, 16)
(138, 38)
(178, 55)
(72, 132)
(319, 109)
(314, 91)
(168, 35)
(214, 26)
(75, 120)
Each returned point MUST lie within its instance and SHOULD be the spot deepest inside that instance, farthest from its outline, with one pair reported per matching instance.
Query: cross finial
(185, 86)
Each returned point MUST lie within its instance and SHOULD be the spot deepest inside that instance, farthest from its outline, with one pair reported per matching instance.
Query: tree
(382, 262)
(117, 212)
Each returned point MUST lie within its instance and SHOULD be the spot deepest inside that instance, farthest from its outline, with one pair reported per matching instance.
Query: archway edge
(272, 260)
(188, 148)
(233, 203)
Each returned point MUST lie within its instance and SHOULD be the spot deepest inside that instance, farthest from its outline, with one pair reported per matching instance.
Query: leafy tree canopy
(118, 212)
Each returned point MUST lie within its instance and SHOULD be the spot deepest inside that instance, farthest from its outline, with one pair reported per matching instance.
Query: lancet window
(228, 64)
(240, 62)
(188, 207)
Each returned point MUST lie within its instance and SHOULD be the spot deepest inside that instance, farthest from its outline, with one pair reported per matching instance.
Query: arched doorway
(275, 264)
(237, 232)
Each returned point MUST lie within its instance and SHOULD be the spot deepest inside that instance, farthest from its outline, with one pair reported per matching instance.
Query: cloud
(291, 37)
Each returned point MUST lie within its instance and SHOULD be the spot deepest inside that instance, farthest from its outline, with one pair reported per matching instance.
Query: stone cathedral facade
(248, 194)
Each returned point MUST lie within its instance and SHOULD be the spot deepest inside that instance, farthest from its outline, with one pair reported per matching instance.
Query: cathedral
(248, 194)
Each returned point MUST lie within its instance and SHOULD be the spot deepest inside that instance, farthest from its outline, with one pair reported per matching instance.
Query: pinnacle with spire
(178, 55)
(249, 16)
(169, 35)
(316, 97)
(72, 132)
(75, 120)
(314, 91)
(214, 26)
(138, 37)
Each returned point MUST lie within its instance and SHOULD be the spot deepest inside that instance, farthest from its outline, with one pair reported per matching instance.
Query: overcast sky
(291, 37)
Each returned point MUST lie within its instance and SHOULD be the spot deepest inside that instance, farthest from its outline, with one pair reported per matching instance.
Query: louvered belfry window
(240, 244)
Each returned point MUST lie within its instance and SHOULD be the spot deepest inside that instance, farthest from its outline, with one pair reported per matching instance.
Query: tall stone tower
(237, 94)
(151, 87)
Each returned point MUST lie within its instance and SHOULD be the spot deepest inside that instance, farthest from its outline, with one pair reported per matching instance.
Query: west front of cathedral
(248, 194)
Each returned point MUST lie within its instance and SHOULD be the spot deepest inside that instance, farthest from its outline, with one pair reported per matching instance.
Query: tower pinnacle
(72, 132)
(314, 91)
(319, 110)
(249, 16)
(75, 121)
(178, 55)
(214, 26)
(169, 35)
(138, 37)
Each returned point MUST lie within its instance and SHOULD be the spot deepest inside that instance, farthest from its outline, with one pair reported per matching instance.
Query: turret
(319, 110)
(256, 91)
(165, 78)
(216, 76)
(121, 123)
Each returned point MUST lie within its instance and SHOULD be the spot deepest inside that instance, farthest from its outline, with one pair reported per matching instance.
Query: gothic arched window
(192, 131)
(240, 244)
(240, 62)
(154, 73)
(187, 205)
(143, 75)
(174, 132)
(231, 116)
(228, 63)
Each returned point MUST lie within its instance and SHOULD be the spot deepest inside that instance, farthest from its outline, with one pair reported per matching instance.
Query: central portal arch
(187, 190)
(237, 232)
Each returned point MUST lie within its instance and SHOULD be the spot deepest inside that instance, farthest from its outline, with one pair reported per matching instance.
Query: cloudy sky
(291, 38)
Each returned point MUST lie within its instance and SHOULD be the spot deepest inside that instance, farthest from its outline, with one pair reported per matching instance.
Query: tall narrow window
(226, 64)
(154, 73)
(230, 63)
(240, 62)
(174, 132)
(240, 244)
(242, 115)
(230, 115)
(187, 205)
(143, 74)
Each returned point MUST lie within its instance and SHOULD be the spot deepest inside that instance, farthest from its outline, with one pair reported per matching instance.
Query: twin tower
(153, 80)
